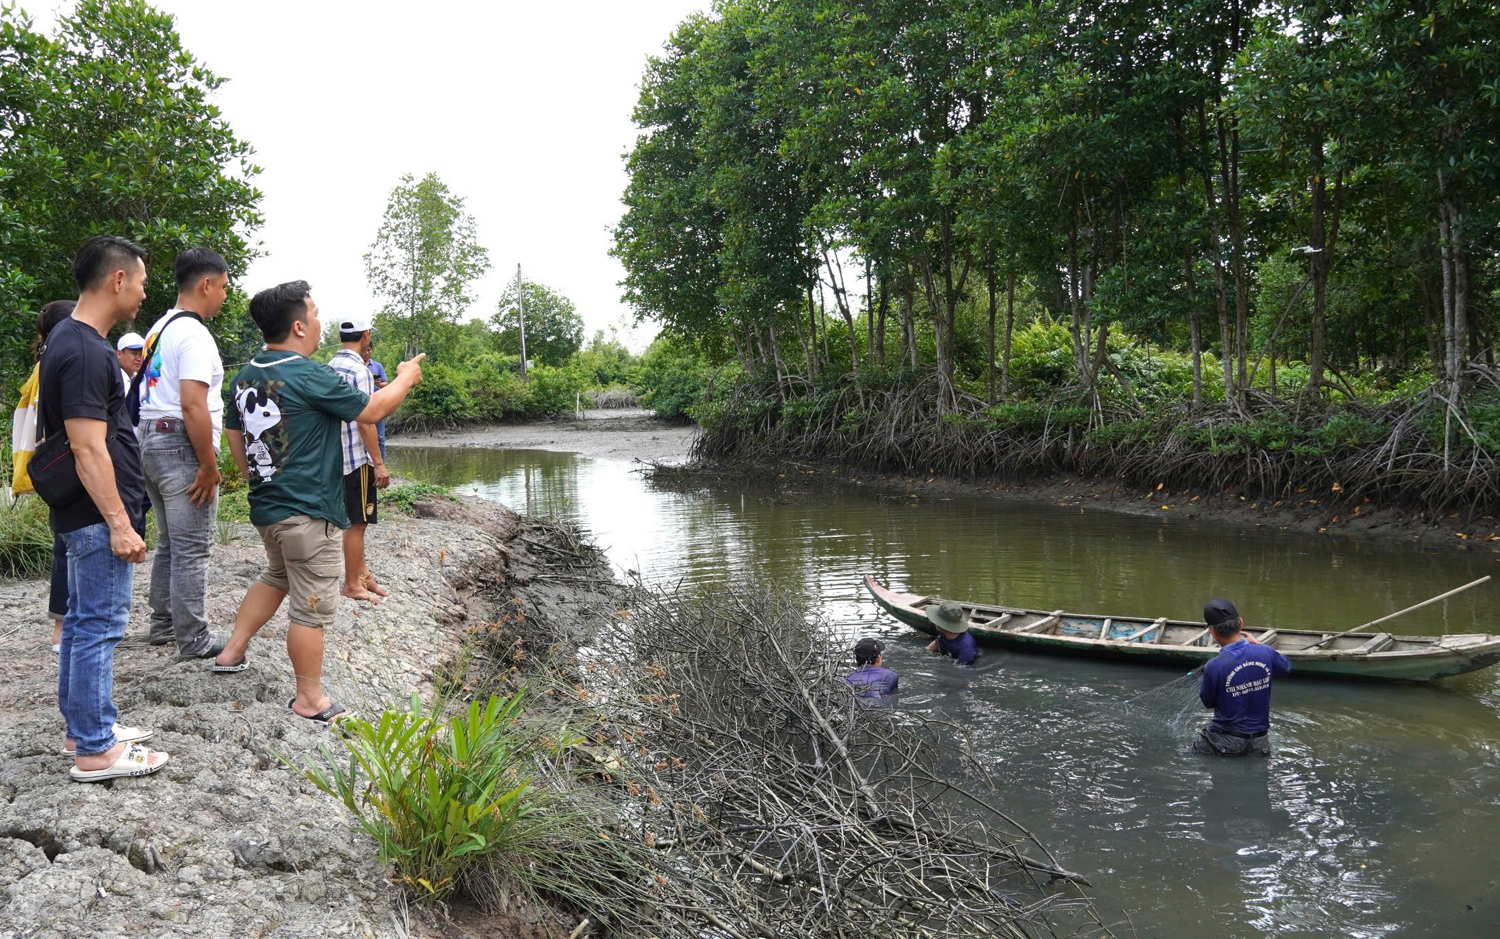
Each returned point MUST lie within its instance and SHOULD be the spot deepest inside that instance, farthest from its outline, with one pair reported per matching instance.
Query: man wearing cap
(364, 463)
(871, 679)
(129, 351)
(181, 424)
(954, 639)
(1237, 685)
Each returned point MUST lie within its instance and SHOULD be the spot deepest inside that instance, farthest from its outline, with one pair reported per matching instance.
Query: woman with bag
(23, 444)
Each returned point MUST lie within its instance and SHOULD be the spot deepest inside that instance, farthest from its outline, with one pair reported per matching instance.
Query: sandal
(328, 717)
(135, 761)
(123, 734)
(239, 666)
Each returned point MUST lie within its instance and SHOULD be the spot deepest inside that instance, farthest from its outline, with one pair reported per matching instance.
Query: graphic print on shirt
(259, 404)
(1250, 682)
(152, 376)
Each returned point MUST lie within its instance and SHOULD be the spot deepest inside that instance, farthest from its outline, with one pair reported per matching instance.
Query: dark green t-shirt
(290, 409)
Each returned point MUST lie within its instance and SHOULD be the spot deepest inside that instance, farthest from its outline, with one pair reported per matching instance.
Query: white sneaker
(123, 734)
(57, 648)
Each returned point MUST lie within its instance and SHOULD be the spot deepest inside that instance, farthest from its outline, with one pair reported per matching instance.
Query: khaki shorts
(306, 559)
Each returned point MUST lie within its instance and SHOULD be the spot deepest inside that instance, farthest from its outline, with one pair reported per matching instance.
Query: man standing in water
(1237, 685)
(952, 622)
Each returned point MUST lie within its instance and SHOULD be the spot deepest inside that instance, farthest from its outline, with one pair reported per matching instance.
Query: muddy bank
(226, 841)
(1326, 513)
(627, 434)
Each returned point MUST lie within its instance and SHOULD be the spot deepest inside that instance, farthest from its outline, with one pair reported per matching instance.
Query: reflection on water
(1376, 814)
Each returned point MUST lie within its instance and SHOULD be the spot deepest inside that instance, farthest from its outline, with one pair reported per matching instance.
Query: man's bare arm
(200, 432)
(371, 440)
(237, 450)
(88, 438)
(385, 401)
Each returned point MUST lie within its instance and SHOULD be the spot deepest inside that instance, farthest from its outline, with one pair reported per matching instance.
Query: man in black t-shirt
(81, 396)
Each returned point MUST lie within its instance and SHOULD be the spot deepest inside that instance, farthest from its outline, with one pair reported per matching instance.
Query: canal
(1374, 815)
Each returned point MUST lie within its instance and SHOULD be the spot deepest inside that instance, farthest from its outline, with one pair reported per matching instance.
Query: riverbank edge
(226, 841)
(609, 434)
(1317, 513)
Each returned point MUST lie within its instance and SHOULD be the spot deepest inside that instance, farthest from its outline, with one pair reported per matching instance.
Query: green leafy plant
(443, 797)
(404, 499)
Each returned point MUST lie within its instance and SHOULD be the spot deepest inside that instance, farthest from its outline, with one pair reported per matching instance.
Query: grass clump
(445, 799)
(405, 498)
(25, 539)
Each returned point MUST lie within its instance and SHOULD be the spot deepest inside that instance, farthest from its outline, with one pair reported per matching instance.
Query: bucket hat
(948, 615)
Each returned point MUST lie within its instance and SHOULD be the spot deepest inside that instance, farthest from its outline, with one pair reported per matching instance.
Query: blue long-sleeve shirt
(1237, 685)
(872, 681)
(962, 647)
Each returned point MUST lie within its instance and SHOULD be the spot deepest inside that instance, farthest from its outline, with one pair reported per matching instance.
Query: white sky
(523, 109)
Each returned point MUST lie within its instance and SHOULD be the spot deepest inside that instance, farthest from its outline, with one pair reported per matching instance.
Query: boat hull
(1427, 658)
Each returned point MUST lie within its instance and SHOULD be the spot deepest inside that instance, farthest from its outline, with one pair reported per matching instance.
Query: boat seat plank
(1159, 624)
(1376, 644)
(1161, 630)
(1045, 622)
(1268, 638)
(1202, 634)
(1104, 630)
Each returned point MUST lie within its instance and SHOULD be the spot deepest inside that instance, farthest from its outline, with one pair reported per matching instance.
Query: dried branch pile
(748, 793)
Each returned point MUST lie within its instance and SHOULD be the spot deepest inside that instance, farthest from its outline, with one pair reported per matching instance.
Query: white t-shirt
(187, 351)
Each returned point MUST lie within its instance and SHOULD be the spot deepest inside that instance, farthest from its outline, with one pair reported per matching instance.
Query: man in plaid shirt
(364, 467)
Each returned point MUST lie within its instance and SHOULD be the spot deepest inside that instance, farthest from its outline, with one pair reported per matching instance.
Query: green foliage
(404, 499)
(606, 361)
(442, 797)
(423, 263)
(554, 329)
(25, 539)
(672, 379)
(109, 127)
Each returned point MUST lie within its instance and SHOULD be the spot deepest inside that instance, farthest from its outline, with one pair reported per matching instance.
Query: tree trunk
(989, 363)
(1195, 324)
(1216, 254)
(1010, 322)
(909, 323)
(841, 297)
(1075, 299)
(812, 337)
(869, 311)
(885, 302)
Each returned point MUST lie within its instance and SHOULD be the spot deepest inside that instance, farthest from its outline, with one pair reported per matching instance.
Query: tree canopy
(554, 329)
(108, 127)
(424, 262)
(1301, 179)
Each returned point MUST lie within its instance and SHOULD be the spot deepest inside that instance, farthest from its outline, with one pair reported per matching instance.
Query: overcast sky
(522, 108)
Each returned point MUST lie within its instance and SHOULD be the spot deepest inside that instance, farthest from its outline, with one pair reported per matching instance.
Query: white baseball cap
(356, 324)
(130, 341)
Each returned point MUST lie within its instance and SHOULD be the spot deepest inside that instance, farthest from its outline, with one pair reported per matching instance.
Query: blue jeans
(184, 536)
(98, 610)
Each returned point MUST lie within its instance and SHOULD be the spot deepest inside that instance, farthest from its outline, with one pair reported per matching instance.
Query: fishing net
(1174, 705)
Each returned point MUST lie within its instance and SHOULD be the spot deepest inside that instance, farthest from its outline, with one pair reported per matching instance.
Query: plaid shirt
(352, 369)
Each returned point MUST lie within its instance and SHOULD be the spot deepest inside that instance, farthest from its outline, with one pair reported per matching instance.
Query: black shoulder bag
(53, 469)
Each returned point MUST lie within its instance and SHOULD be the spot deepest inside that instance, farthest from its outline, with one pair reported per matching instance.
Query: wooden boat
(1369, 655)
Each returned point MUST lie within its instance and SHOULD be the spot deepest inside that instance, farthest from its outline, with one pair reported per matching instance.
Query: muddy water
(1377, 815)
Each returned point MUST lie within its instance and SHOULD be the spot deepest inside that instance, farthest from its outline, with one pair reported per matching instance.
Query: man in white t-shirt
(182, 422)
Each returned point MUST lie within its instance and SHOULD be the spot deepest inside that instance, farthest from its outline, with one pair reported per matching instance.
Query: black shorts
(359, 495)
(1215, 743)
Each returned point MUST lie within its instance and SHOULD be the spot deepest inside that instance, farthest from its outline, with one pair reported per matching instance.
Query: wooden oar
(1376, 622)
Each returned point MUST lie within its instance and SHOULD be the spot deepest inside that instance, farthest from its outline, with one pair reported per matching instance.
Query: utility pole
(521, 316)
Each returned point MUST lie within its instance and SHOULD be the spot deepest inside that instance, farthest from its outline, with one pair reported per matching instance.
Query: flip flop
(328, 717)
(239, 666)
(135, 761)
(123, 734)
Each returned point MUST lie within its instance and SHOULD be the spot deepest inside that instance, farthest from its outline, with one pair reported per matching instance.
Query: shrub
(672, 380)
(404, 499)
(25, 539)
(442, 798)
(441, 398)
